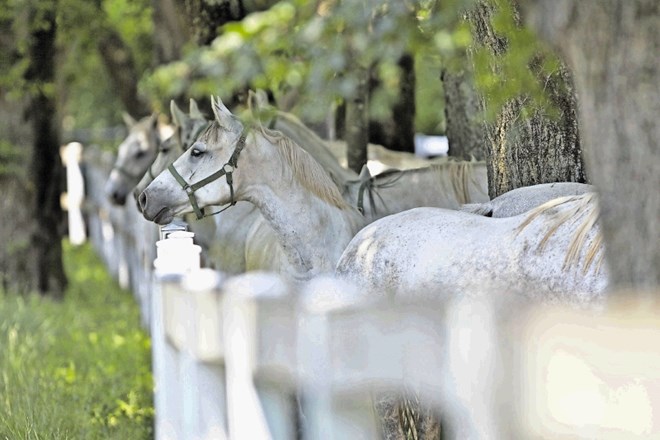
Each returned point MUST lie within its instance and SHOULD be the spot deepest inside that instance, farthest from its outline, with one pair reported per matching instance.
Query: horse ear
(222, 113)
(177, 115)
(128, 120)
(153, 120)
(261, 108)
(194, 110)
(261, 98)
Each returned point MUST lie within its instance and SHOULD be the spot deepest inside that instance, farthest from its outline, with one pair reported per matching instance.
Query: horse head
(187, 127)
(203, 175)
(134, 157)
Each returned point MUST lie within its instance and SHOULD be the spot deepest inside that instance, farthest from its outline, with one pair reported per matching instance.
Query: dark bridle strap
(227, 170)
(370, 186)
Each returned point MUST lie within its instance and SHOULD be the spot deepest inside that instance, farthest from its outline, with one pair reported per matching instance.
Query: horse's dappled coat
(547, 254)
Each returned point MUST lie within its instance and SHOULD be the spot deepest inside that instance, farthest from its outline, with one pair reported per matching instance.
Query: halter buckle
(188, 189)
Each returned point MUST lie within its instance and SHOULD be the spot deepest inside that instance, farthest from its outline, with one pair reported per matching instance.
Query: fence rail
(256, 357)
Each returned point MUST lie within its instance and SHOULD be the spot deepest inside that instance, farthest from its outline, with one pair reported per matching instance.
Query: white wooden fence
(255, 357)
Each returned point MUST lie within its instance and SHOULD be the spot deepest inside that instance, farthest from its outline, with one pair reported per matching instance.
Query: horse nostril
(142, 201)
(118, 198)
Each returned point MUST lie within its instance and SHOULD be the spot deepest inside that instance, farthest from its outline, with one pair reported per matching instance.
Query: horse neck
(441, 186)
(314, 145)
(312, 231)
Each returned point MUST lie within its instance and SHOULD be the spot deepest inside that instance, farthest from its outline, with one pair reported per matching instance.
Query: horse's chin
(163, 217)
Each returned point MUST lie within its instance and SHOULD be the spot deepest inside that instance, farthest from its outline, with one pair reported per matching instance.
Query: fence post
(199, 305)
(328, 411)
(255, 327)
(75, 191)
(354, 348)
(176, 256)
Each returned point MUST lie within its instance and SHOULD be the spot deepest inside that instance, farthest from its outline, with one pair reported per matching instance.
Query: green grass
(75, 369)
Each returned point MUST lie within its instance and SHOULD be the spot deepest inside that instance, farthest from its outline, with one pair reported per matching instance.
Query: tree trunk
(170, 31)
(357, 123)
(46, 170)
(463, 114)
(204, 19)
(612, 47)
(206, 16)
(120, 65)
(398, 131)
(528, 147)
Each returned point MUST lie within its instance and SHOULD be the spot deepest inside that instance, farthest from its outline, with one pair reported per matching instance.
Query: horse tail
(584, 207)
(580, 237)
(483, 209)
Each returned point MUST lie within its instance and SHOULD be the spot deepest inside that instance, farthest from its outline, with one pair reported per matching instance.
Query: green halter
(227, 170)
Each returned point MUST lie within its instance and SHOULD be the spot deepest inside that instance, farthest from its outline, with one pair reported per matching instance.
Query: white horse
(447, 184)
(443, 183)
(523, 199)
(135, 155)
(222, 237)
(186, 128)
(553, 252)
(233, 161)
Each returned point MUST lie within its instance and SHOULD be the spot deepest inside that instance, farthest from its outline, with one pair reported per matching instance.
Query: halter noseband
(226, 170)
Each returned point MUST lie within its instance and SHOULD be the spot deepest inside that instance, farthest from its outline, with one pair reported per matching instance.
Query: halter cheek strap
(132, 176)
(226, 170)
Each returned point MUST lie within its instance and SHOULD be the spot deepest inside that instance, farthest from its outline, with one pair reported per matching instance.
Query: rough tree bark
(357, 124)
(466, 132)
(612, 47)
(522, 150)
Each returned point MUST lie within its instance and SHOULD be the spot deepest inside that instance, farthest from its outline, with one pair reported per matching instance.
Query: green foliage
(84, 91)
(521, 69)
(133, 20)
(21, 19)
(88, 98)
(429, 96)
(77, 368)
(11, 160)
(317, 49)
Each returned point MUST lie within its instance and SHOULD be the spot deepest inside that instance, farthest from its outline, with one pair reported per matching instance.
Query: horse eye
(140, 154)
(197, 149)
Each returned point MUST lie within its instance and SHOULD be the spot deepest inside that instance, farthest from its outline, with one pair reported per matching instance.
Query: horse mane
(460, 174)
(453, 176)
(286, 121)
(305, 169)
(583, 207)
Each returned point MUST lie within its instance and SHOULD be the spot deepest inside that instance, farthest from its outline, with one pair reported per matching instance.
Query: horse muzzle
(161, 215)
